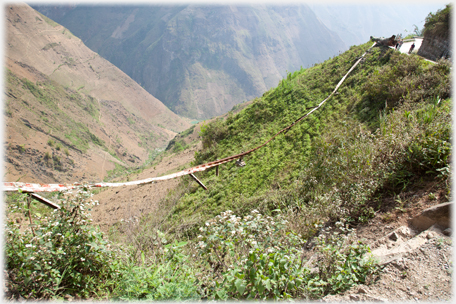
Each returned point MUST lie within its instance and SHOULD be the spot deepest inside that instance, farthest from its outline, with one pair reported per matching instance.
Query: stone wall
(435, 47)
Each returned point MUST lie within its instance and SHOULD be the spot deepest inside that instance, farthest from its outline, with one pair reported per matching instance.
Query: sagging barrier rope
(29, 187)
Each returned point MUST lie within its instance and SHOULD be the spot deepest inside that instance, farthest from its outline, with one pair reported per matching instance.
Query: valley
(350, 204)
(198, 60)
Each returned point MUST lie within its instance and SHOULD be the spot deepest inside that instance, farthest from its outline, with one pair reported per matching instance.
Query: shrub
(168, 278)
(250, 258)
(59, 254)
(343, 262)
(256, 257)
(51, 142)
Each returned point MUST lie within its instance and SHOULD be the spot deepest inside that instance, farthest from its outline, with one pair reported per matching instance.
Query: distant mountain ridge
(202, 60)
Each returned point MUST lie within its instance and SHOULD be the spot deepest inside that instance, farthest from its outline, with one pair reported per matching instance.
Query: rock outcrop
(435, 47)
(436, 43)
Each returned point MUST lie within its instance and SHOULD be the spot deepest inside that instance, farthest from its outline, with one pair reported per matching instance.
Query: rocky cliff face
(435, 47)
(437, 33)
(202, 60)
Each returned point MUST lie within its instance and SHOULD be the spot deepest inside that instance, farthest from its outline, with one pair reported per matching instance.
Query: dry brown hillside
(70, 114)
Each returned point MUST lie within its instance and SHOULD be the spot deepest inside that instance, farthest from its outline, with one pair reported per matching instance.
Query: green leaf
(240, 286)
(267, 284)
(221, 294)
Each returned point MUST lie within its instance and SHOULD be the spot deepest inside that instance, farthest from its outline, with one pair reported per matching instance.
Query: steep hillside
(69, 114)
(371, 159)
(297, 222)
(202, 60)
(330, 162)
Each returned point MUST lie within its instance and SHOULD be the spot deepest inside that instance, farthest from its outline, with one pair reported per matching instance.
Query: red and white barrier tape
(28, 187)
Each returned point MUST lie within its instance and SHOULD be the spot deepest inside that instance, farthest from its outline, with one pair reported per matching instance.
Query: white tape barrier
(28, 187)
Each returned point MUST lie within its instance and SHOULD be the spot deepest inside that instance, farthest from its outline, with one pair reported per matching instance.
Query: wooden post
(216, 171)
(198, 181)
(44, 201)
(29, 201)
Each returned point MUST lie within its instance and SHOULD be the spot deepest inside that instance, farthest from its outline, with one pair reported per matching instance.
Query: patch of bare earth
(132, 202)
(416, 260)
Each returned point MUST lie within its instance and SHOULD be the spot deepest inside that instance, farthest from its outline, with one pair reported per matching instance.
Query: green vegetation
(329, 162)
(59, 253)
(49, 46)
(50, 94)
(177, 144)
(386, 131)
(438, 23)
(122, 171)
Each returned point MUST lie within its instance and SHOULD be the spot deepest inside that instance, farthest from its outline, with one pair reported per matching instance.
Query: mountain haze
(202, 60)
(354, 23)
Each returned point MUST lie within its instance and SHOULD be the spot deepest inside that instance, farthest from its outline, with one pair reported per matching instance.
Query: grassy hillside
(384, 131)
(252, 235)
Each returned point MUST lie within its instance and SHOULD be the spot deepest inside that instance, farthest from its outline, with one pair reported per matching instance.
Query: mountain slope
(343, 158)
(62, 94)
(202, 60)
(57, 53)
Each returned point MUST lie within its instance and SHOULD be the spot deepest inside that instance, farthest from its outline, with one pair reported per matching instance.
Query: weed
(60, 255)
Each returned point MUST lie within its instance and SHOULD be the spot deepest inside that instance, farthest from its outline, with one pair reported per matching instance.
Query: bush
(343, 262)
(60, 254)
(250, 258)
(256, 257)
(168, 278)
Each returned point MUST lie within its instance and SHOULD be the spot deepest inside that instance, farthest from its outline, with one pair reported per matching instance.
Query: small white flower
(82, 259)
(28, 245)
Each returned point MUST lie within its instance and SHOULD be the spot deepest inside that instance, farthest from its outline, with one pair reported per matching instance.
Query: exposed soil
(130, 123)
(131, 202)
(421, 274)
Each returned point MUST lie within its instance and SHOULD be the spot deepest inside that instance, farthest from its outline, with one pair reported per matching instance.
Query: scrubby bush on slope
(384, 125)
